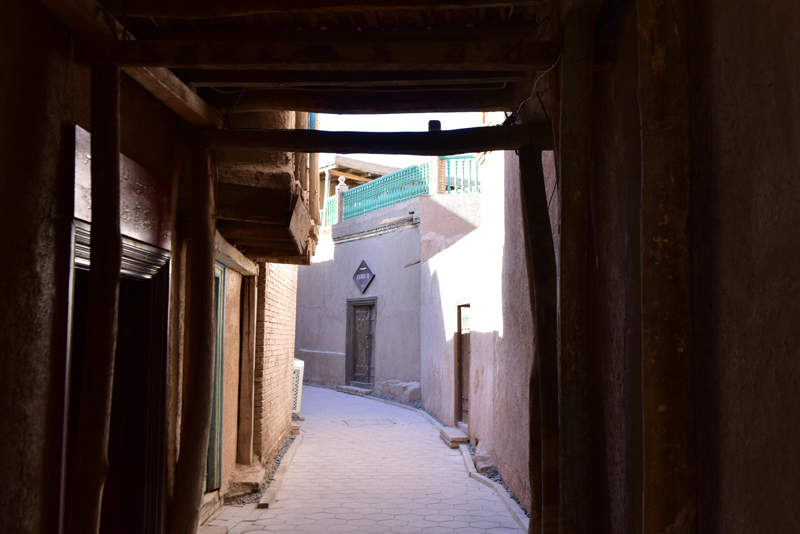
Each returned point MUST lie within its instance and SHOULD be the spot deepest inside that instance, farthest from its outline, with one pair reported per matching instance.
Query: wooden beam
(339, 78)
(188, 9)
(86, 19)
(414, 143)
(668, 380)
(90, 460)
(175, 94)
(199, 354)
(370, 102)
(573, 195)
(247, 371)
(357, 178)
(543, 385)
(390, 53)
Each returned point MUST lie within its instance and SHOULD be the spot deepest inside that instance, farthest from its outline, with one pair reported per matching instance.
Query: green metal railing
(328, 214)
(387, 190)
(462, 174)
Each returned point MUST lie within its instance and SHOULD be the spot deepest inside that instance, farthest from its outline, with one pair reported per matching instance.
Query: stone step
(452, 436)
(353, 390)
(462, 426)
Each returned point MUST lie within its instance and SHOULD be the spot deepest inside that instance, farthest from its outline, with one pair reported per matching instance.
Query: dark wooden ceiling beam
(86, 21)
(187, 9)
(334, 55)
(298, 78)
(413, 143)
(359, 102)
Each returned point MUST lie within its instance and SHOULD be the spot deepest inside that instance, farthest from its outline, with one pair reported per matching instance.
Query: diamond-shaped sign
(363, 276)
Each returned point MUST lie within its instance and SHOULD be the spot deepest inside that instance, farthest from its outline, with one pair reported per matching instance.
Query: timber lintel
(443, 143)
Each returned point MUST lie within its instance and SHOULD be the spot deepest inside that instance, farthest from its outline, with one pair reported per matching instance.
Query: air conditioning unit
(297, 385)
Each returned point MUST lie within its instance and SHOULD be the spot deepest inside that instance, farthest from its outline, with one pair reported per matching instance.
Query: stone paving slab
(371, 467)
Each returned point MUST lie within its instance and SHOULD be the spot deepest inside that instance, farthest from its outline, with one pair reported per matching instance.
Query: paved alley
(368, 466)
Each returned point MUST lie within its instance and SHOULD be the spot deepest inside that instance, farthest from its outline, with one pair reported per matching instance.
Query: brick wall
(275, 334)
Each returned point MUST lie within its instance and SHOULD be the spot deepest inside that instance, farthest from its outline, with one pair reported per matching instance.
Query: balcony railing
(460, 175)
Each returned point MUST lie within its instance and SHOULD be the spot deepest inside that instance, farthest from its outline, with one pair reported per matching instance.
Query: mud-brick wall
(275, 334)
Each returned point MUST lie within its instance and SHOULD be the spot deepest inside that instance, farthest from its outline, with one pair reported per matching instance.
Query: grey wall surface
(325, 287)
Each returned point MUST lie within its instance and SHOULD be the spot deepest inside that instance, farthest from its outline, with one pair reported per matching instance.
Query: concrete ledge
(452, 436)
(212, 530)
(269, 495)
(516, 512)
(353, 391)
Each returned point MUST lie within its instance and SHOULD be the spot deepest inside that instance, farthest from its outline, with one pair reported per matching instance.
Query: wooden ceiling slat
(382, 55)
(301, 78)
(187, 9)
(361, 102)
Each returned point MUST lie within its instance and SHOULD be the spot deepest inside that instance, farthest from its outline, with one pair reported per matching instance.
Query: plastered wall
(326, 285)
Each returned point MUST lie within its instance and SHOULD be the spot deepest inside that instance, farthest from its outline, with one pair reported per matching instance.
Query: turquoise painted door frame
(214, 465)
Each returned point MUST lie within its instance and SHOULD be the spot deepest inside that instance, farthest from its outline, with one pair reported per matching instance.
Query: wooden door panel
(363, 342)
(465, 362)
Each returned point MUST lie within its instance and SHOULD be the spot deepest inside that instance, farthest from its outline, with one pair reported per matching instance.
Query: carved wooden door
(363, 343)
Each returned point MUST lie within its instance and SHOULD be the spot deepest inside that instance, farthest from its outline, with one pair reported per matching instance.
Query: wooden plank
(508, 33)
(668, 394)
(296, 78)
(86, 19)
(436, 100)
(199, 355)
(90, 460)
(339, 78)
(573, 194)
(187, 9)
(244, 444)
(357, 178)
(443, 143)
(385, 54)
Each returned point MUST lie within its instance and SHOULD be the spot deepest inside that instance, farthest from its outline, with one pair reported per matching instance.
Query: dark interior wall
(615, 339)
(39, 92)
(746, 134)
(42, 90)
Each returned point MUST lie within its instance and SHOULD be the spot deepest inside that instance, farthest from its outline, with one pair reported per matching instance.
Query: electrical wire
(514, 117)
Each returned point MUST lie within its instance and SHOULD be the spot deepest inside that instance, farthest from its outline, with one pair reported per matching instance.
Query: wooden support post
(542, 280)
(247, 372)
(87, 474)
(668, 410)
(199, 356)
(575, 163)
(313, 175)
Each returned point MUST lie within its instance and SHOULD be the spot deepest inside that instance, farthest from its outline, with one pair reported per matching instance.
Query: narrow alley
(369, 466)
